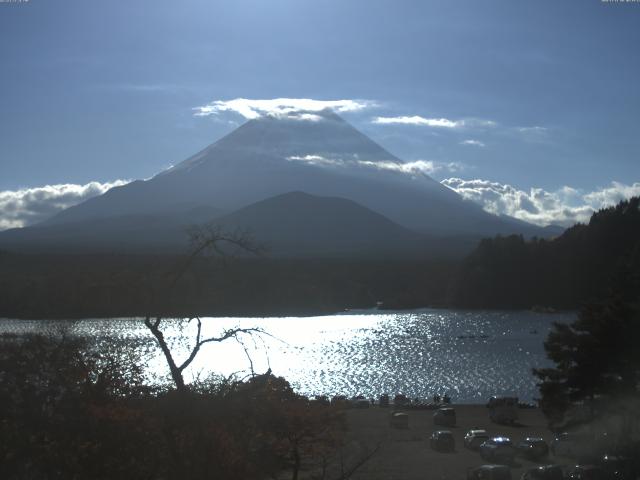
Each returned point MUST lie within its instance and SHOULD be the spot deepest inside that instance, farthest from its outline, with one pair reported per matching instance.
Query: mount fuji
(347, 186)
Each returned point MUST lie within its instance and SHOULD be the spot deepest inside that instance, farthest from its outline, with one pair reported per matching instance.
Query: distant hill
(300, 224)
(578, 266)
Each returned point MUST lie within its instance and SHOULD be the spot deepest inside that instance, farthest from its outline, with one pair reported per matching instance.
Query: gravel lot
(406, 454)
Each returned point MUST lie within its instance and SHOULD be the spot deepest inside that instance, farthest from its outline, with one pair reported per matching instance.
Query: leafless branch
(246, 352)
(206, 238)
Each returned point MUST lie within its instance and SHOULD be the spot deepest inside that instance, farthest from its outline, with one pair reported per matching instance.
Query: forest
(563, 273)
(107, 286)
(501, 273)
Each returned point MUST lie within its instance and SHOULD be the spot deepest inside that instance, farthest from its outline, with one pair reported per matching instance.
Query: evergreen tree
(597, 359)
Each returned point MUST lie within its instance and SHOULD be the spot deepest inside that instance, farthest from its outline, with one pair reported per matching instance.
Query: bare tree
(204, 239)
(154, 324)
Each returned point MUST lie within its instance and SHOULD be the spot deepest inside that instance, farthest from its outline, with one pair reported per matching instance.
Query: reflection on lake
(468, 354)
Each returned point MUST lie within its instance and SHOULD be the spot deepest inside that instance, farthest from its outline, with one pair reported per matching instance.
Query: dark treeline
(565, 273)
(502, 272)
(77, 286)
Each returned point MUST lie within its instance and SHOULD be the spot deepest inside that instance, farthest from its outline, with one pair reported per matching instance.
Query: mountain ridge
(266, 157)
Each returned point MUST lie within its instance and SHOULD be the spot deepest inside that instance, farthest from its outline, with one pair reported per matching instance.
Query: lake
(468, 355)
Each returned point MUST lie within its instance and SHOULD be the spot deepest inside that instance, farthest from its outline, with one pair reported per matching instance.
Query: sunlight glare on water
(468, 354)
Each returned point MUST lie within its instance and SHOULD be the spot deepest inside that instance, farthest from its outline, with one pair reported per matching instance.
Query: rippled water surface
(469, 355)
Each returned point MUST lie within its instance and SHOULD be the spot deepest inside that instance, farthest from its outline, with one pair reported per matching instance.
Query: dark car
(587, 472)
(533, 448)
(443, 441)
(618, 467)
(544, 472)
(360, 402)
(445, 417)
(401, 400)
(489, 472)
(575, 445)
(498, 449)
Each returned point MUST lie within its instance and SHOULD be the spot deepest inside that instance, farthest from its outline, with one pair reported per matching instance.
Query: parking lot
(406, 454)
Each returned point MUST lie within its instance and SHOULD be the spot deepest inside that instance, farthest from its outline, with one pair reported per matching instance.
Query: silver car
(474, 438)
(498, 449)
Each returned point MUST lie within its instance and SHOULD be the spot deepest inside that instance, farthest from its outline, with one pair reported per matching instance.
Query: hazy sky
(526, 94)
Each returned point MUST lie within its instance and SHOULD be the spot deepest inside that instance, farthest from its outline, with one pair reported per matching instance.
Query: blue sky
(538, 94)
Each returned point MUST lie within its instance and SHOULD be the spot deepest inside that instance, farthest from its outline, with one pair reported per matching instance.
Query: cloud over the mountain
(19, 208)
(297, 108)
(433, 122)
(418, 120)
(473, 143)
(565, 206)
(315, 160)
(415, 167)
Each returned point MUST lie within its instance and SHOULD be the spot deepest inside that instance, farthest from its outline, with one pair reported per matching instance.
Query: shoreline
(292, 313)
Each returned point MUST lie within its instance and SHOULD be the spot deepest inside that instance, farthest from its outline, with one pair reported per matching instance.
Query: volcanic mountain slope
(318, 153)
(293, 224)
(133, 233)
(269, 156)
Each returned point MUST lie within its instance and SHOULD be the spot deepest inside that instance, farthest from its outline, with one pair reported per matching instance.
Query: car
(572, 445)
(474, 438)
(443, 441)
(360, 402)
(618, 467)
(339, 400)
(445, 417)
(498, 449)
(533, 448)
(401, 400)
(489, 472)
(503, 409)
(321, 400)
(587, 472)
(544, 472)
(399, 420)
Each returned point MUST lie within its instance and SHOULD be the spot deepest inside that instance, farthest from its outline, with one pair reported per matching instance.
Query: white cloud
(533, 134)
(473, 143)
(315, 160)
(435, 122)
(417, 166)
(418, 120)
(19, 208)
(612, 194)
(309, 117)
(297, 108)
(565, 206)
(535, 130)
